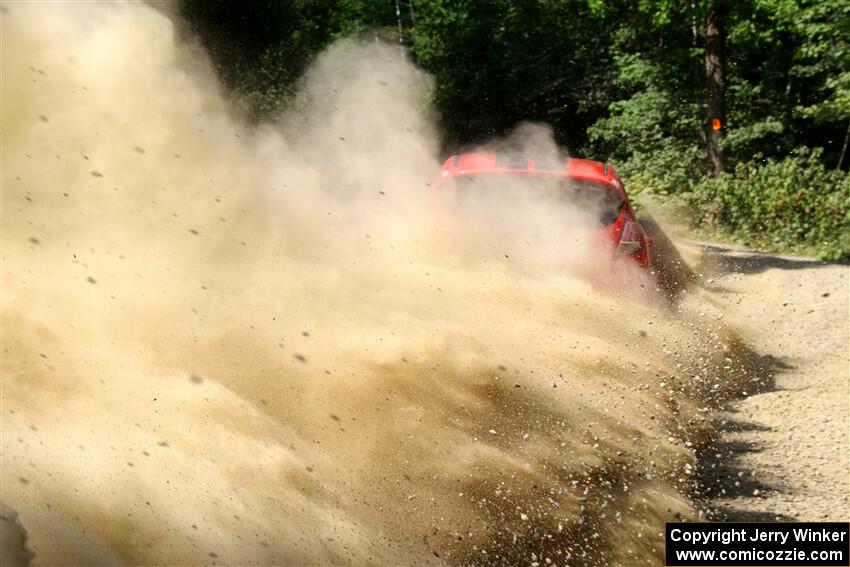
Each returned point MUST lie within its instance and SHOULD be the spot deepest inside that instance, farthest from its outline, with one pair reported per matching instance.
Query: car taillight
(630, 240)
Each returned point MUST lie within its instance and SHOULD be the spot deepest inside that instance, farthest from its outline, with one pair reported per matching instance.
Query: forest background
(736, 112)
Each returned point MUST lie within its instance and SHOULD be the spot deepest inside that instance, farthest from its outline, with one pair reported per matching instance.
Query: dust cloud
(239, 345)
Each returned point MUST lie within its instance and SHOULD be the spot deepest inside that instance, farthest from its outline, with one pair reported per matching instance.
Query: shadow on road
(722, 477)
(724, 484)
(721, 260)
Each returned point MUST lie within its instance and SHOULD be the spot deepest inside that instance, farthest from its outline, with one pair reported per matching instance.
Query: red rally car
(584, 183)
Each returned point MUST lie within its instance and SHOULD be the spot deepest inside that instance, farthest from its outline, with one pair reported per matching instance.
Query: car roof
(475, 163)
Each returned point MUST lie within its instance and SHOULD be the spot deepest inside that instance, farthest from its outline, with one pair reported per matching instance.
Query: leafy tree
(822, 65)
(502, 61)
(261, 47)
(634, 82)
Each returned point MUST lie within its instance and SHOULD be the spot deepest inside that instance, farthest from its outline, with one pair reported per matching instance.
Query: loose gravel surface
(783, 453)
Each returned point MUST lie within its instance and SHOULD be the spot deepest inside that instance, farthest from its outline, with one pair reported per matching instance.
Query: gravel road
(782, 453)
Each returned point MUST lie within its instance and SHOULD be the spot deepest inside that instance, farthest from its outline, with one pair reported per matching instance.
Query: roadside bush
(794, 204)
(666, 171)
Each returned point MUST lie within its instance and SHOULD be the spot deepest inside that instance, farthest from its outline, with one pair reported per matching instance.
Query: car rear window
(601, 201)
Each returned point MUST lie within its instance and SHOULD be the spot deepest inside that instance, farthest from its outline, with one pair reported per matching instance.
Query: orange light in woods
(715, 124)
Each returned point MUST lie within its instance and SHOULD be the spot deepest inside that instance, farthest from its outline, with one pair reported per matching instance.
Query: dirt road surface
(783, 452)
(246, 345)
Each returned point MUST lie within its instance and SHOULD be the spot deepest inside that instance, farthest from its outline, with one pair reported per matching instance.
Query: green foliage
(788, 85)
(261, 48)
(618, 80)
(664, 172)
(791, 204)
(823, 59)
(654, 134)
(504, 61)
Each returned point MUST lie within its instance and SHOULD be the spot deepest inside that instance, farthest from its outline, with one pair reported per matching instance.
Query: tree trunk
(715, 75)
(844, 148)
